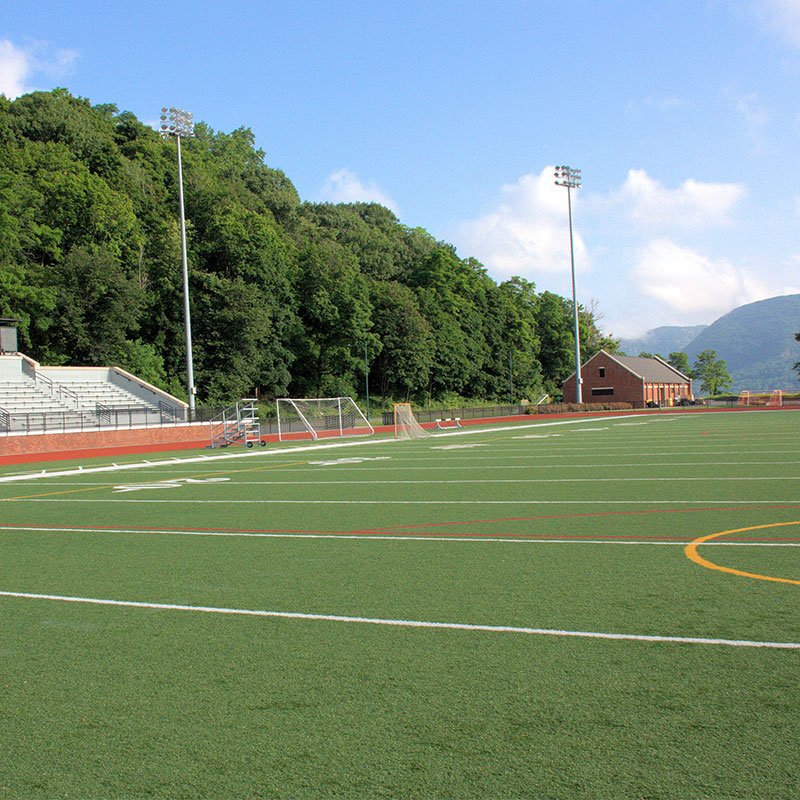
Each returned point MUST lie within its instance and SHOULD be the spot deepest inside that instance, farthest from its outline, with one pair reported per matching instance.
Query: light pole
(571, 178)
(511, 374)
(366, 376)
(177, 123)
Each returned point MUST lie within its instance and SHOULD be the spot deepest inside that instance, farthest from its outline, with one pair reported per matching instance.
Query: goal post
(320, 417)
(743, 399)
(776, 398)
(405, 423)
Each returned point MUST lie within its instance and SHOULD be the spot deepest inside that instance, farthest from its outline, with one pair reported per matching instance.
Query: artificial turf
(581, 529)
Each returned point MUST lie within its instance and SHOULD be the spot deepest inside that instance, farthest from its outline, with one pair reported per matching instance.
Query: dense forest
(287, 297)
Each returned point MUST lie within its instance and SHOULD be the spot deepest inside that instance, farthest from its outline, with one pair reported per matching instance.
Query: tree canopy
(712, 372)
(287, 297)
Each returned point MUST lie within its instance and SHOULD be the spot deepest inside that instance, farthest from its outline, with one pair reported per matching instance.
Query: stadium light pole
(511, 374)
(179, 124)
(366, 373)
(571, 178)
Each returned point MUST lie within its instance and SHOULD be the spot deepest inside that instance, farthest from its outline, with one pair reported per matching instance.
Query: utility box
(8, 335)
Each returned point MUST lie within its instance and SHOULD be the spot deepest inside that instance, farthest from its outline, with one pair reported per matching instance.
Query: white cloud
(15, 66)
(692, 205)
(344, 186)
(20, 65)
(781, 17)
(691, 284)
(527, 232)
(664, 105)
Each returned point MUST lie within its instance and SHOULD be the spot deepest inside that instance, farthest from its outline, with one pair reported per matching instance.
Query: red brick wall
(130, 440)
(628, 388)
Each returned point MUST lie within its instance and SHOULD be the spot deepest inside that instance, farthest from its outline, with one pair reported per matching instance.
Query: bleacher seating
(90, 393)
(25, 396)
(35, 398)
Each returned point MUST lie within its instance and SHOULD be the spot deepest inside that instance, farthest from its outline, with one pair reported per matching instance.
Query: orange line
(691, 553)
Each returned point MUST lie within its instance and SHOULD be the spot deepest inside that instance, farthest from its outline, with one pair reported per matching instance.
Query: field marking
(303, 466)
(205, 477)
(169, 483)
(598, 502)
(352, 460)
(439, 482)
(407, 623)
(385, 534)
(691, 553)
(174, 461)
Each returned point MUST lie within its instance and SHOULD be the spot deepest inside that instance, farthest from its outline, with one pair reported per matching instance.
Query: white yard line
(598, 502)
(405, 623)
(367, 535)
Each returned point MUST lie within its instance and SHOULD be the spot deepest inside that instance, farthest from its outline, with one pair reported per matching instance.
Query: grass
(581, 529)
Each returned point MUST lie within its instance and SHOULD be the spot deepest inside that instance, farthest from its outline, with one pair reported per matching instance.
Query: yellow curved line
(693, 555)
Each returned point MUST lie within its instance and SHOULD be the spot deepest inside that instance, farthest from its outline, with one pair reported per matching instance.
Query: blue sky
(684, 117)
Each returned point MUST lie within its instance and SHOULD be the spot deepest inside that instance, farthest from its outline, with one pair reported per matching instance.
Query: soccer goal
(405, 423)
(321, 417)
(744, 399)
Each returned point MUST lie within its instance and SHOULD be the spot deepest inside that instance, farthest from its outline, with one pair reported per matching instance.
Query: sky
(683, 117)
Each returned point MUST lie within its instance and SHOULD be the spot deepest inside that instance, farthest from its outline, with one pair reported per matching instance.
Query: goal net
(776, 398)
(405, 423)
(320, 417)
(744, 399)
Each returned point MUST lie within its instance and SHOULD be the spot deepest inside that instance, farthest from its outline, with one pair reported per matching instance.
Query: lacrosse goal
(405, 423)
(320, 417)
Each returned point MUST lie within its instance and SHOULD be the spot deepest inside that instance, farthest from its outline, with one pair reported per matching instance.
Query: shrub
(571, 408)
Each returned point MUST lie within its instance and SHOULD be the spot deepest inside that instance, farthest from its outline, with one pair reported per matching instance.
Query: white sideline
(407, 623)
(264, 453)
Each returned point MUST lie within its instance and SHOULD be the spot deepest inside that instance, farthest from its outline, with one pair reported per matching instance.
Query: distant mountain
(664, 340)
(757, 343)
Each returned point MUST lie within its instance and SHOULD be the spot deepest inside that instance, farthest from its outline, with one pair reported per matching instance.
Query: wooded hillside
(286, 296)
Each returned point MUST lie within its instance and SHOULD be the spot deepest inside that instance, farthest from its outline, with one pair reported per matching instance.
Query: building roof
(653, 370)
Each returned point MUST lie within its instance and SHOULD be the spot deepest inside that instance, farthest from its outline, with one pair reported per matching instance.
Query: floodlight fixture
(178, 123)
(571, 179)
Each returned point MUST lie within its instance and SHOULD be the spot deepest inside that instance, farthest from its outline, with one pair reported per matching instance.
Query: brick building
(626, 379)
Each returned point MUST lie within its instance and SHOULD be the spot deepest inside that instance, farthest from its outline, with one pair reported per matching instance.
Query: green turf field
(503, 612)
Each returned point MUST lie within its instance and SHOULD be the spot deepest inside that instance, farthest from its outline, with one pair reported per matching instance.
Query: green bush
(571, 408)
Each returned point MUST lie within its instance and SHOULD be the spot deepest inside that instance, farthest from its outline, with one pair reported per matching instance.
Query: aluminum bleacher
(36, 399)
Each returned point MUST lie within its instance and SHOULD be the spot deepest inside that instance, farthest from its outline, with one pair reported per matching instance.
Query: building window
(602, 372)
(603, 391)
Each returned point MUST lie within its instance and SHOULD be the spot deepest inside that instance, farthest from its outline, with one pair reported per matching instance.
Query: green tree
(712, 372)
(513, 346)
(453, 298)
(335, 313)
(797, 365)
(680, 361)
(403, 365)
(97, 307)
(554, 326)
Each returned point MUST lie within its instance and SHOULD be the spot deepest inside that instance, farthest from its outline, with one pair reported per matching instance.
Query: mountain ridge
(756, 341)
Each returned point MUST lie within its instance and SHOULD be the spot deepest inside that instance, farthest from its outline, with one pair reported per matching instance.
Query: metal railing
(104, 417)
(481, 412)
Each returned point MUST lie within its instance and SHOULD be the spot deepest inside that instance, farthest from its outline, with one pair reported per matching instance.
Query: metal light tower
(179, 124)
(571, 178)
(366, 376)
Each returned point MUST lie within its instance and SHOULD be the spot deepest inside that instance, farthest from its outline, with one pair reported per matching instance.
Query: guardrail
(481, 412)
(64, 421)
